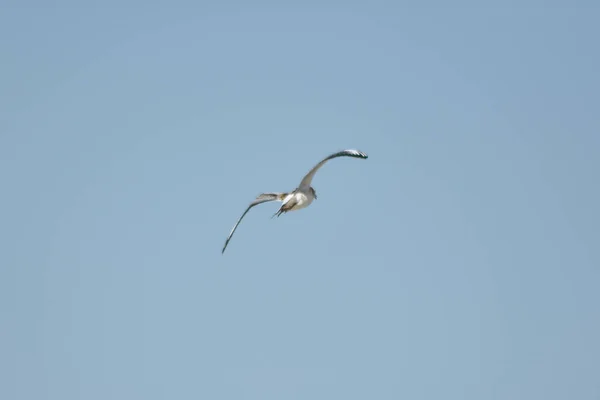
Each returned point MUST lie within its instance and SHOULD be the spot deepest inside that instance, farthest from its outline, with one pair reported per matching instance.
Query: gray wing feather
(261, 198)
(306, 181)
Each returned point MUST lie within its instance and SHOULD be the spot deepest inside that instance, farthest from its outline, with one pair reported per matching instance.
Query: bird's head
(314, 193)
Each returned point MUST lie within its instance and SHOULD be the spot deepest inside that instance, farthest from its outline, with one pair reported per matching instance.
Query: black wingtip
(356, 153)
(360, 154)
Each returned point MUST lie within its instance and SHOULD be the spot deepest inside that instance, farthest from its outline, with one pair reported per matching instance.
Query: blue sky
(460, 261)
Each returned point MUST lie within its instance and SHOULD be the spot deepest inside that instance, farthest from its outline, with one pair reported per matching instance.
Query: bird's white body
(298, 199)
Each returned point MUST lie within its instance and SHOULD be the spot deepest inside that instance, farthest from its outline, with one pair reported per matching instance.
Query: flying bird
(299, 198)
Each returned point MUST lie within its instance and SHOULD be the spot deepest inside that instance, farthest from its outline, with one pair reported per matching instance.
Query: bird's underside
(295, 200)
(299, 198)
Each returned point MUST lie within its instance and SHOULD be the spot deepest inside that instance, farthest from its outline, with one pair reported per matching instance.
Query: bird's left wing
(262, 198)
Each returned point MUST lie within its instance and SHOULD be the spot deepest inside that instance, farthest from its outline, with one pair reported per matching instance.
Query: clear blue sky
(460, 261)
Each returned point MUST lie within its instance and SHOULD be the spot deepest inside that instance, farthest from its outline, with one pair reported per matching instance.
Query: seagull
(299, 198)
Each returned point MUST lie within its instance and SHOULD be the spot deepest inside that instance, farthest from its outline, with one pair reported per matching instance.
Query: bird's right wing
(262, 198)
(306, 181)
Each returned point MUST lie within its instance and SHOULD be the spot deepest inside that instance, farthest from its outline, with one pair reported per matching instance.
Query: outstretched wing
(262, 198)
(306, 181)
